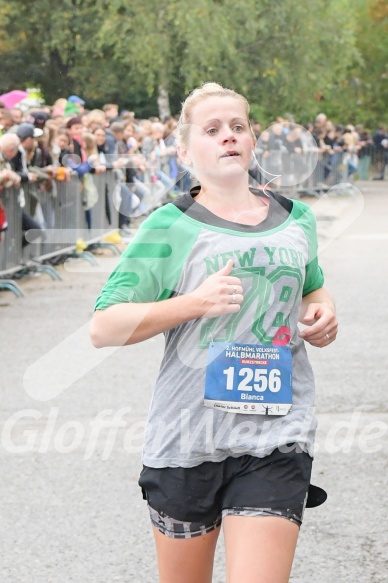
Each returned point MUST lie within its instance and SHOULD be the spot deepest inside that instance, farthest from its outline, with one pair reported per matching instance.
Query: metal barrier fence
(61, 218)
(306, 173)
(11, 245)
(64, 221)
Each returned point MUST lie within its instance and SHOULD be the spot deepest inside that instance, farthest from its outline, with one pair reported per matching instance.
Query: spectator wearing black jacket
(380, 143)
(25, 135)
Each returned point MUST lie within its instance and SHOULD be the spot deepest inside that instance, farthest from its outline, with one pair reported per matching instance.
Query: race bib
(249, 378)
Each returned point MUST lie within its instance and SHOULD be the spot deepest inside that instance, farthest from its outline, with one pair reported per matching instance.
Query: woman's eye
(238, 128)
(212, 131)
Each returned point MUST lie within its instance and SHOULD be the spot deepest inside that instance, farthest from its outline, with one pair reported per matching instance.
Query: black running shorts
(188, 502)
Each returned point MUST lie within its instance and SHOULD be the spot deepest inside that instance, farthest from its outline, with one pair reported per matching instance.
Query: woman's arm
(318, 313)
(129, 323)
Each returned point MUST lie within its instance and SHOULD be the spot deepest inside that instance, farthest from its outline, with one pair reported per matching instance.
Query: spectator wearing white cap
(26, 133)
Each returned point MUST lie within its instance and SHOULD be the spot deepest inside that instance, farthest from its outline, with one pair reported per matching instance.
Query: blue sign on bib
(249, 378)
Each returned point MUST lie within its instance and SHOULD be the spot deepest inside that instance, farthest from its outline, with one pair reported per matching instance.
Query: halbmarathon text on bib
(249, 378)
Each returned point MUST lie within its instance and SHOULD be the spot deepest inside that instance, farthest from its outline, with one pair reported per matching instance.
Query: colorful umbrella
(13, 97)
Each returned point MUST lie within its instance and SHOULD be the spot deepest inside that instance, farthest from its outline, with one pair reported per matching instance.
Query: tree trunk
(57, 81)
(163, 102)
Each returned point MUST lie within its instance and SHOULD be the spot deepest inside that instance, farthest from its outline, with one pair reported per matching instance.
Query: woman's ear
(183, 155)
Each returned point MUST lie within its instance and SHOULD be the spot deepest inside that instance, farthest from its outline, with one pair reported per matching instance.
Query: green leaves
(279, 53)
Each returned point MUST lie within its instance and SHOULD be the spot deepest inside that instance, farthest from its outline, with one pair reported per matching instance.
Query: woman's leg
(186, 560)
(259, 549)
(140, 189)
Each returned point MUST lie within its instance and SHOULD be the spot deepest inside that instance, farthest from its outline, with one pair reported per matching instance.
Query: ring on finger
(233, 298)
(327, 336)
(234, 290)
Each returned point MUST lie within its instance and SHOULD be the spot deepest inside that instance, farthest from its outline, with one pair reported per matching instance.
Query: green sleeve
(151, 265)
(305, 218)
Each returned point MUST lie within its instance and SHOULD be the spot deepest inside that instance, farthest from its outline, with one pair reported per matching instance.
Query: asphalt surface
(72, 419)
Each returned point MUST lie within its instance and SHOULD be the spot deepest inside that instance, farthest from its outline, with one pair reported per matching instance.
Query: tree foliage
(281, 54)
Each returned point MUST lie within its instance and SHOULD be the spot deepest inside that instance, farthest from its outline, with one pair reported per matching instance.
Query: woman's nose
(228, 136)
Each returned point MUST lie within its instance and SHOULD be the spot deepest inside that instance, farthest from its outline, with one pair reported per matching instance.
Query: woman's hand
(319, 315)
(221, 293)
(120, 163)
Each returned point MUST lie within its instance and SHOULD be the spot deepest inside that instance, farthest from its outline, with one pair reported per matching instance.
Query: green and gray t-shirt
(175, 249)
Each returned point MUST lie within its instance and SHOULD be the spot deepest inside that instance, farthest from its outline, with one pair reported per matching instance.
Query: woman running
(225, 272)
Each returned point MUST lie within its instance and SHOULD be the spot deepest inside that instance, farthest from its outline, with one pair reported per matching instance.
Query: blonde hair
(90, 144)
(157, 126)
(198, 95)
(96, 116)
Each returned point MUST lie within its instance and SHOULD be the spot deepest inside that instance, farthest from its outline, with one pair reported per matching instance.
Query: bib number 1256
(249, 378)
(253, 380)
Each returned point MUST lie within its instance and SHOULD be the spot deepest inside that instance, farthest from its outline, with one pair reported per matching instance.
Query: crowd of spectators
(355, 148)
(52, 142)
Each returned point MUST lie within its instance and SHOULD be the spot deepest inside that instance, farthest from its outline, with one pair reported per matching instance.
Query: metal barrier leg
(104, 245)
(73, 254)
(52, 272)
(34, 267)
(86, 255)
(13, 287)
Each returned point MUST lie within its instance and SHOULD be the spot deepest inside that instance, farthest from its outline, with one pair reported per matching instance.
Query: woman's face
(94, 123)
(220, 141)
(146, 127)
(62, 141)
(128, 131)
(157, 134)
(100, 137)
(76, 131)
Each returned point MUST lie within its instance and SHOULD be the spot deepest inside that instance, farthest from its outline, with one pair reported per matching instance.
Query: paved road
(72, 420)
